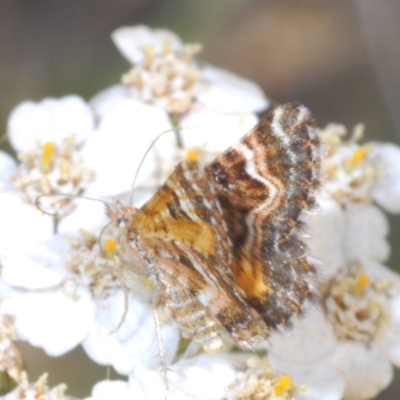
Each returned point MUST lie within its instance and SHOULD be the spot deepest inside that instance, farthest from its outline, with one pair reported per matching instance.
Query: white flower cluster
(64, 280)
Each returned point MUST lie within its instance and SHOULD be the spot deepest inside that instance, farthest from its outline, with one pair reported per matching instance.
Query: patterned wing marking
(264, 183)
(204, 307)
(185, 209)
(182, 235)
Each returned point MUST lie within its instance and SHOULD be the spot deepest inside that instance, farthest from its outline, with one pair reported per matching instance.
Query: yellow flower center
(362, 283)
(283, 385)
(47, 159)
(110, 246)
(358, 156)
(192, 155)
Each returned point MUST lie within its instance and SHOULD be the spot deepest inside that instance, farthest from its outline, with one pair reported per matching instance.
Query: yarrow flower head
(103, 265)
(358, 308)
(260, 382)
(93, 262)
(358, 172)
(166, 74)
(52, 170)
(47, 137)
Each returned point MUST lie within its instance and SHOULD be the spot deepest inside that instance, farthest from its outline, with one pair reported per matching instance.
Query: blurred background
(339, 58)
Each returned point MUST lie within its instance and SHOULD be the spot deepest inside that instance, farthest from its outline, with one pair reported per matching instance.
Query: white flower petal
(389, 342)
(311, 339)
(365, 371)
(213, 130)
(148, 383)
(322, 380)
(8, 291)
(104, 101)
(54, 321)
(366, 232)
(206, 376)
(116, 150)
(21, 224)
(50, 120)
(326, 229)
(135, 342)
(88, 215)
(131, 40)
(386, 191)
(36, 265)
(111, 390)
(8, 166)
(229, 92)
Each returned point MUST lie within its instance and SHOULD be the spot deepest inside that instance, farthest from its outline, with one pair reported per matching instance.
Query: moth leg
(126, 309)
(156, 303)
(126, 295)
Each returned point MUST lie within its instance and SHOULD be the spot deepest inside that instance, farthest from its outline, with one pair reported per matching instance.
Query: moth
(223, 244)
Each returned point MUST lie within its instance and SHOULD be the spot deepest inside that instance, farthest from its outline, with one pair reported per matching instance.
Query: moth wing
(184, 237)
(203, 300)
(264, 184)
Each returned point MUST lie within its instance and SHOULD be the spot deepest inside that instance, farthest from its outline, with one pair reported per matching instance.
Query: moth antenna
(39, 207)
(147, 152)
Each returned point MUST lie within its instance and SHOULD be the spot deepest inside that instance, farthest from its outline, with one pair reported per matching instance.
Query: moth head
(120, 214)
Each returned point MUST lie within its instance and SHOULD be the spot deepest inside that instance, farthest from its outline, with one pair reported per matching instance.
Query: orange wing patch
(250, 277)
